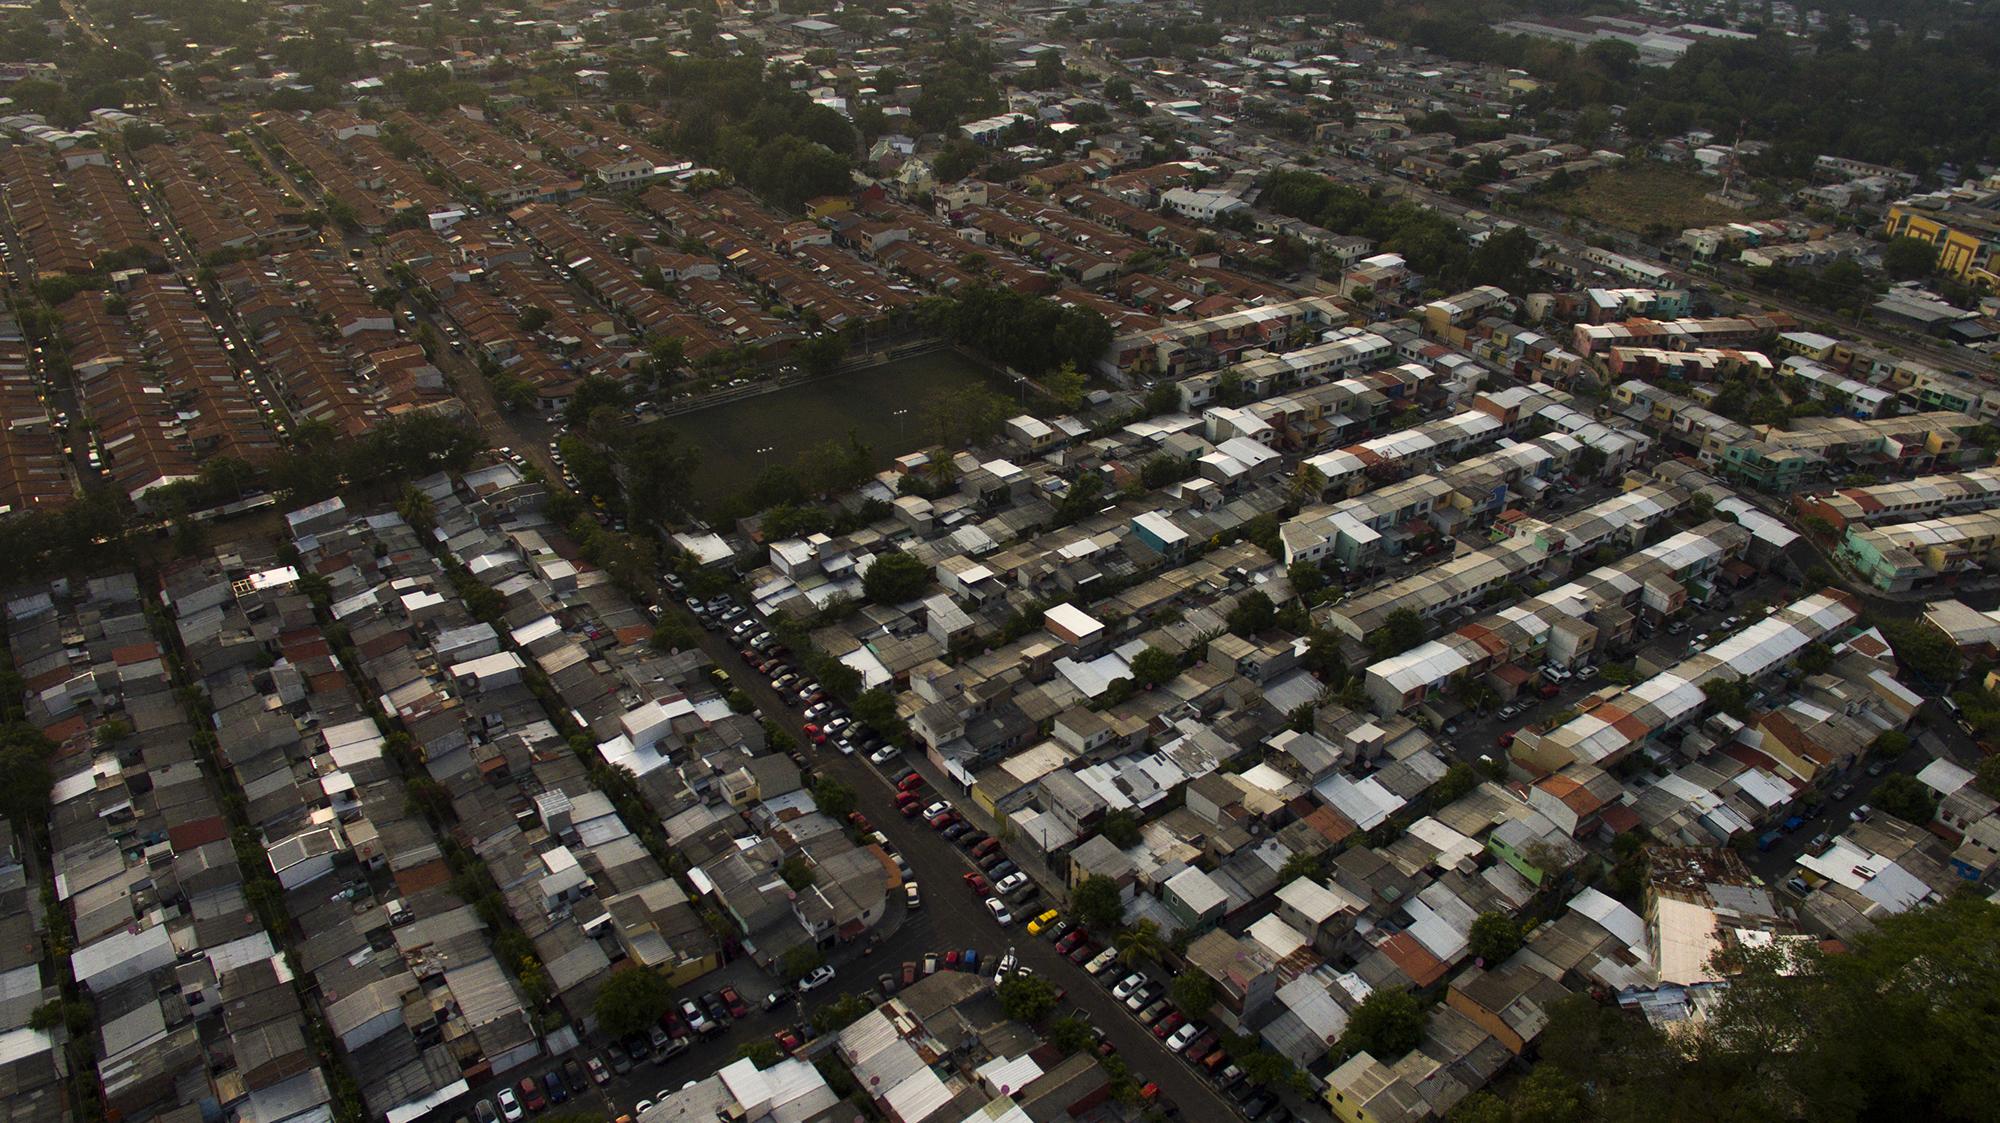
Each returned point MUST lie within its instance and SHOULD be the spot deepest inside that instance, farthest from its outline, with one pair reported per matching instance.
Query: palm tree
(1141, 941)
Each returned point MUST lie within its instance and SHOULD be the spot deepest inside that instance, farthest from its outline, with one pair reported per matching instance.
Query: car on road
(1844, 791)
(999, 912)
(734, 1003)
(820, 976)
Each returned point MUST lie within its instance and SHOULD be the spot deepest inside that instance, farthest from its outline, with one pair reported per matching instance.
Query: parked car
(531, 1095)
(1036, 925)
(510, 1106)
(820, 976)
(912, 898)
(1128, 986)
(977, 883)
(734, 1003)
(999, 912)
(552, 1087)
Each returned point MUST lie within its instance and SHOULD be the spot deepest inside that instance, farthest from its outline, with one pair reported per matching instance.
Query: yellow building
(1965, 238)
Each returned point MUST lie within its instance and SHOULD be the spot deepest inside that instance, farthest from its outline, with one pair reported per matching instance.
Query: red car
(1068, 943)
(1083, 952)
(787, 1040)
(910, 783)
(942, 820)
(734, 1003)
(810, 729)
(978, 884)
(909, 971)
(1167, 1025)
(951, 960)
(985, 847)
(531, 1095)
(860, 821)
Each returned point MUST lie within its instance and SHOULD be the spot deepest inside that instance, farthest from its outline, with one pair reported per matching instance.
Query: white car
(884, 755)
(1128, 986)
(912, 898)
(1000, 914)
(510, 1106)
(642, 1107)
(820, 976)
(1184, 1036)
(936, 809)
(1010, 883)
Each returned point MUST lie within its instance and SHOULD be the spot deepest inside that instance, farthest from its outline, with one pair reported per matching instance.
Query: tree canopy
(1386, 1025)
(894, 578)
(630, 1000)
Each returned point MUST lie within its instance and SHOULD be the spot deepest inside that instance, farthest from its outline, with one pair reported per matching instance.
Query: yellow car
(1036, 925)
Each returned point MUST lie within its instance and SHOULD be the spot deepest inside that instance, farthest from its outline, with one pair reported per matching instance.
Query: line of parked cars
(1194, 1040)
(532, 1094)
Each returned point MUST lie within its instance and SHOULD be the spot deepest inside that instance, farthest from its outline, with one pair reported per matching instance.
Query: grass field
(1644, 194)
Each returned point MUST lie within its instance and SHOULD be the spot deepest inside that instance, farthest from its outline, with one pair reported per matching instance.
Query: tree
(799, 961)
(1987, 777)
(1457, 780)
(1067, 385)
(1900, 1025)
(1306, 578)
(841, 1013)
(894, 578)
(1026, 998)
(762, 1052)
(674, 633)
(1815, 658)
(1494, 937)
(24, 776)
(1193, 993)
(798, 873)
(1730, 696)
(630, 1000)
(1386, 1025)
(1252, 614)
(1139, 943)
(1906, 797)
(1071, 1035)
(822, 354)
(1891, 743)
(833, 797)
(1402, 630)
(1924, 650)
(1302, 864)
(1098, 903)
(1907, 259)
(1153, 667)
(533, 318)
(1120, 828)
